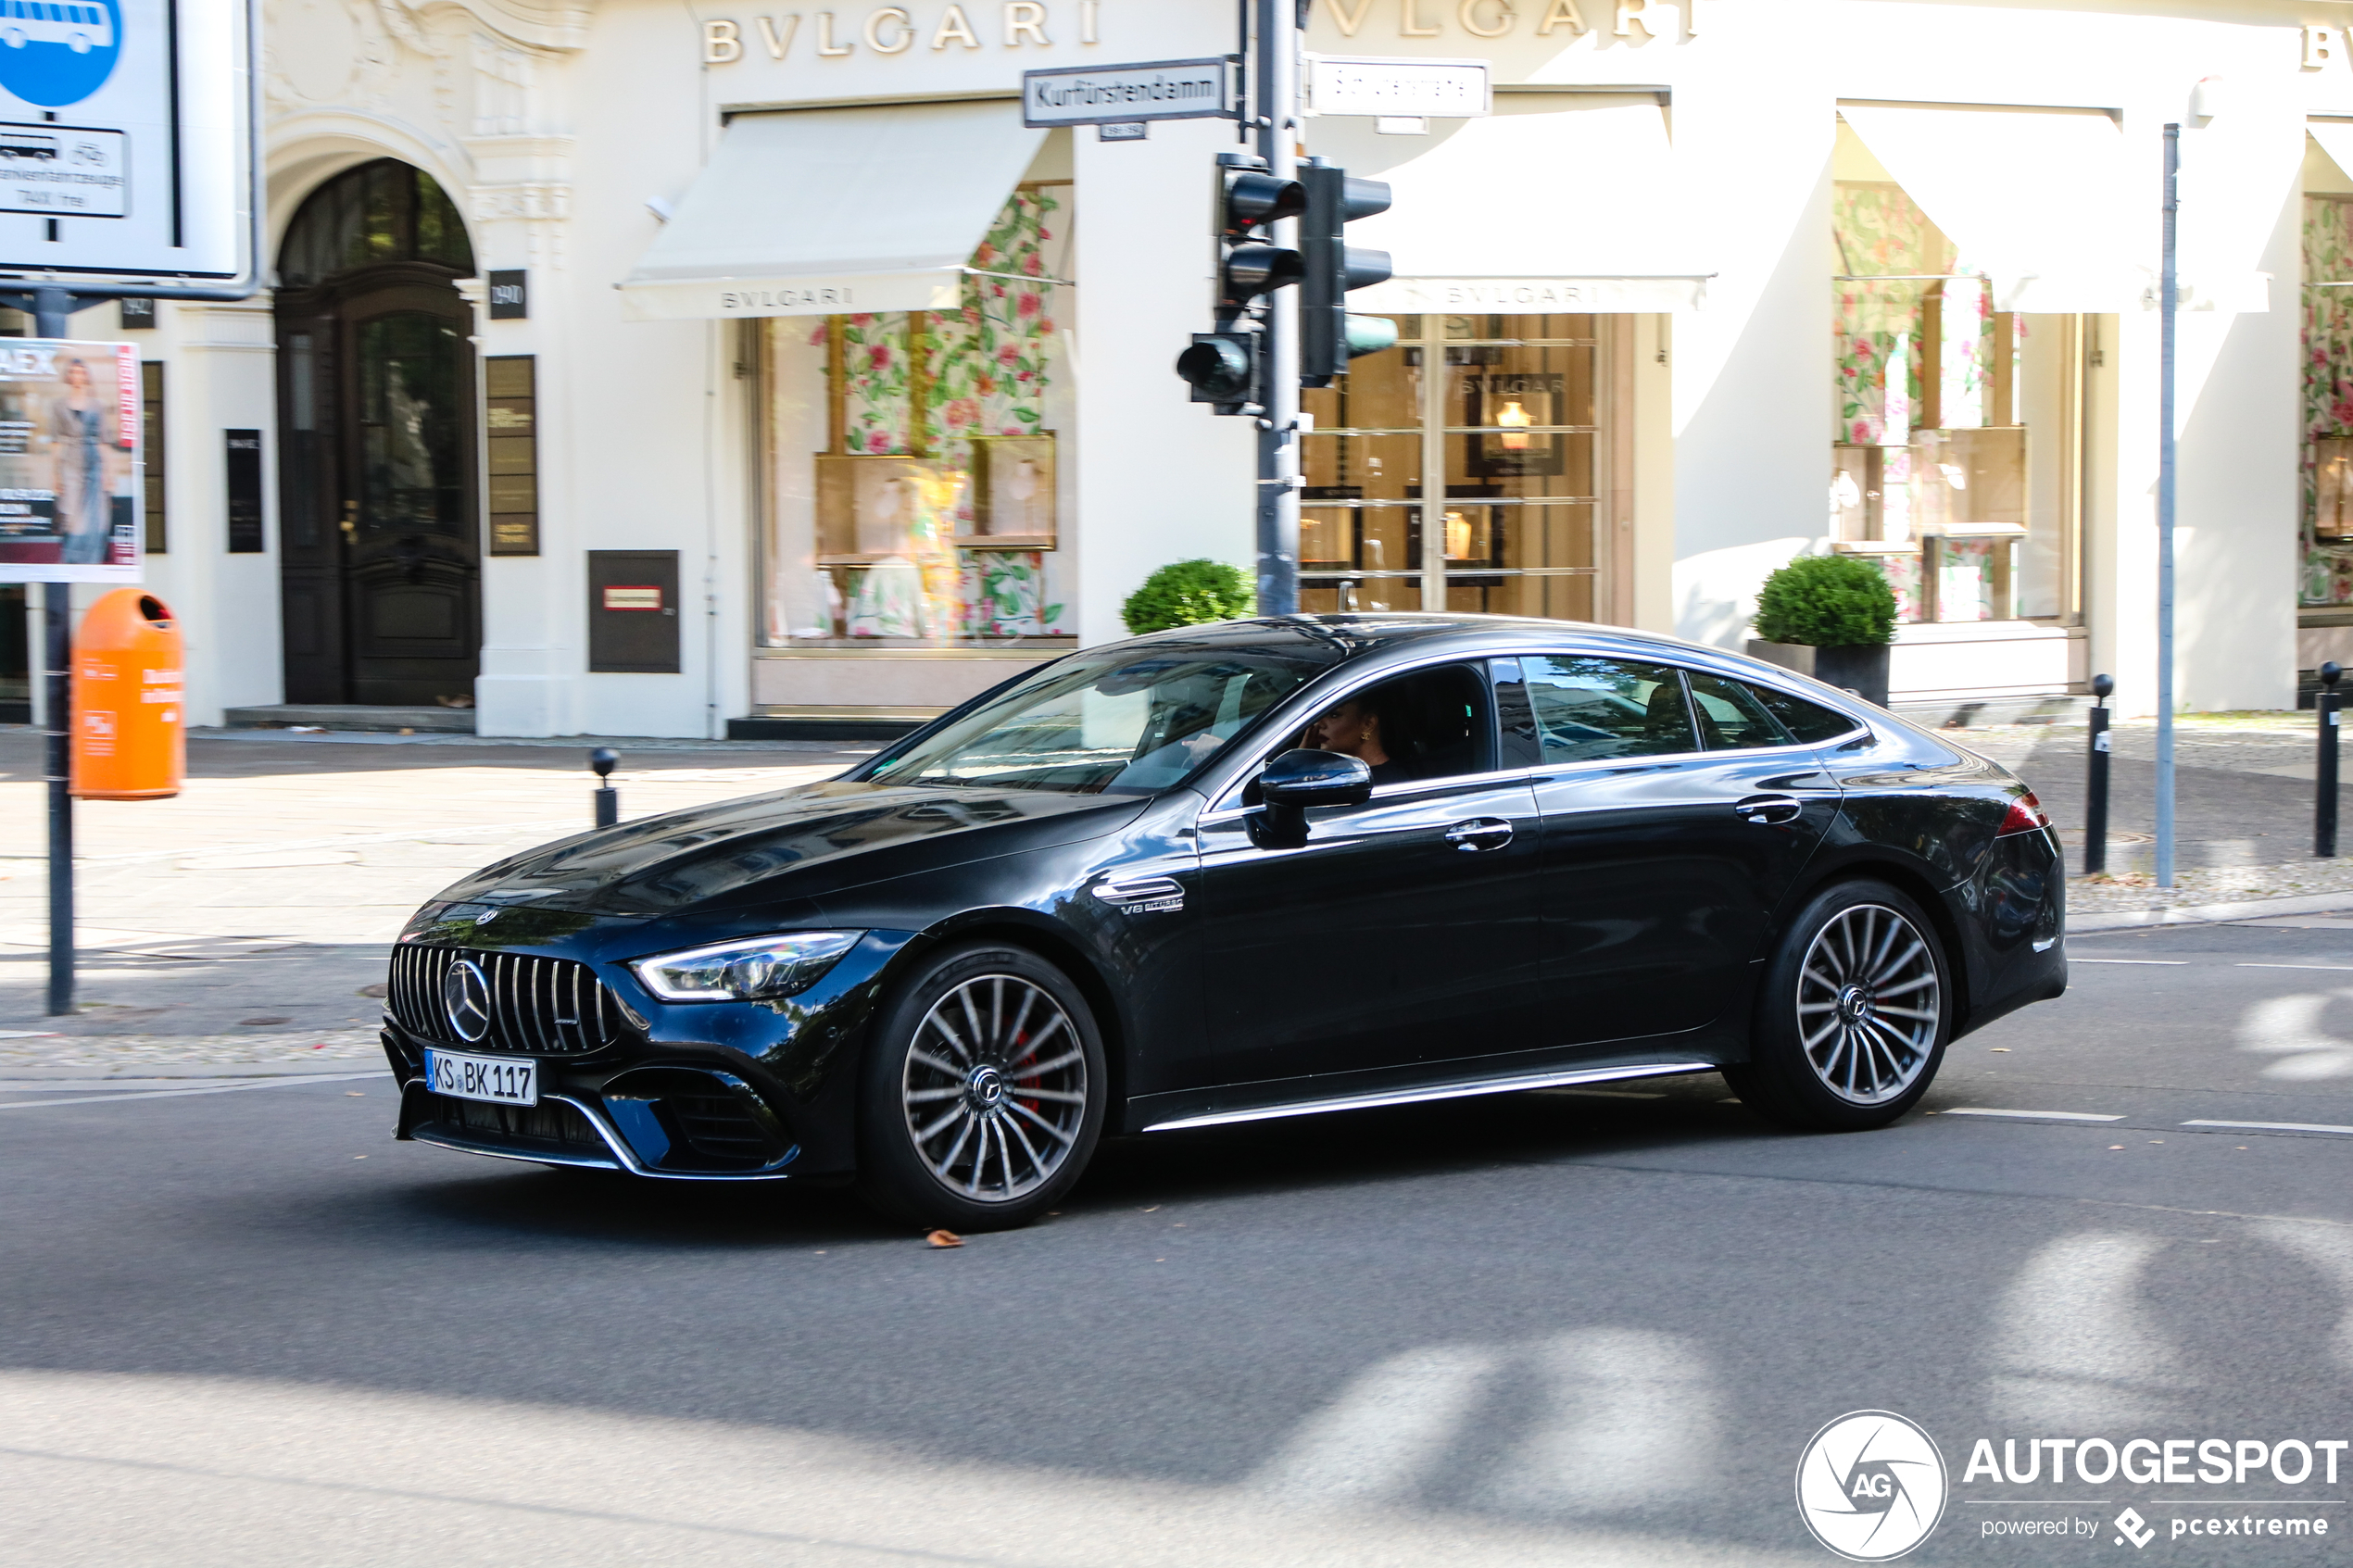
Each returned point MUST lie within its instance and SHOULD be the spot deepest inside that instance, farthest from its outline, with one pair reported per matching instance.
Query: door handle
(1768, 810)
(1479, 832)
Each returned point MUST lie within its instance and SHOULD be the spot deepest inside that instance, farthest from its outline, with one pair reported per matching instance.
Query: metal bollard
(2324, 793)
(2096, 780)
(608, 798)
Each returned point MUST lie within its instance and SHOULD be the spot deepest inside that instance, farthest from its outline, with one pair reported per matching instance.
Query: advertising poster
(70, 462)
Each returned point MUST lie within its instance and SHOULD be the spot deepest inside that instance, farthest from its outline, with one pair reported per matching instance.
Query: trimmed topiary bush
(1827, 602)
(1188, 593)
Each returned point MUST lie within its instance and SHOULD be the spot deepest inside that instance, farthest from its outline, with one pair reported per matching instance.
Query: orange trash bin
(130, 734)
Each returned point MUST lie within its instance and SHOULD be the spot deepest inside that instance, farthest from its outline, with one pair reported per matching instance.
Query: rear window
(1732, 717)
(1805, 722)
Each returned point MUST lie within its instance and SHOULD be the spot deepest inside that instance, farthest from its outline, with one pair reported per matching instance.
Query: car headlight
(751, 969)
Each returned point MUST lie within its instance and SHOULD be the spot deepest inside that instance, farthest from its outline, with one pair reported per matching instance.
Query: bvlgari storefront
(894, 273)
(928, 357)
(811, 387)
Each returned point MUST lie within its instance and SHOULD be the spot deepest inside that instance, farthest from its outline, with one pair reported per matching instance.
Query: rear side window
(1585, 708)
(1805, 722)
(1730, 716)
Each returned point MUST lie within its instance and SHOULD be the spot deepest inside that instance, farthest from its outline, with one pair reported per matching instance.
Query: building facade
(633, 369)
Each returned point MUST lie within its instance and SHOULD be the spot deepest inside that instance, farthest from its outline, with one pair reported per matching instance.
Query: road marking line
(2168, 963)
(2275, 1126)
(2336, 966)
(181, 1094)
(2039, 1115)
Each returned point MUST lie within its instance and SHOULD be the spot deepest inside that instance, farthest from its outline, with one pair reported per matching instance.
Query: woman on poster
(77, 427)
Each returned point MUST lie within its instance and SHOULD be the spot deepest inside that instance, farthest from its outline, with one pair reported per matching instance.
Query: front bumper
(580, 1129)
(707, 1091)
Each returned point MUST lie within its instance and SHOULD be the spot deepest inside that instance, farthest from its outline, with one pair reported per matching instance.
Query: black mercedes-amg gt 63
(1227, 873)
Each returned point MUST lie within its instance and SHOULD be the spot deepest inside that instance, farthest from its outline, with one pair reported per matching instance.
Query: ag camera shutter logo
(1871, 1486)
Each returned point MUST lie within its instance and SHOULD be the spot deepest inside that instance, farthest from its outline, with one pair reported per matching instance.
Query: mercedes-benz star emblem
(465, 1000)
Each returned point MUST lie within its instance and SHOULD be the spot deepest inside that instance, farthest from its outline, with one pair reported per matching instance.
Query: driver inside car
(1352, 728)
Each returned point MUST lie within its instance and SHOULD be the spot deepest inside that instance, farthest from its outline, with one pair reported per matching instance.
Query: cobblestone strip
(122, 1052)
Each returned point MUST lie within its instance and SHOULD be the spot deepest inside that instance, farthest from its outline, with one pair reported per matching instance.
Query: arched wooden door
(379, 549)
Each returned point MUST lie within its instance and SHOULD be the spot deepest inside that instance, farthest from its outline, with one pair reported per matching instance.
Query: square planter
(1861, 668)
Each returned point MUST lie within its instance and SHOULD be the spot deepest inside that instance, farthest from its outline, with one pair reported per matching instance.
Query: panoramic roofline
(1372, 630)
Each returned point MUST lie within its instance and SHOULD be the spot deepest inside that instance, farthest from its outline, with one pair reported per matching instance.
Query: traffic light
(1329, 336)
(1225, 367)
(1249, 201)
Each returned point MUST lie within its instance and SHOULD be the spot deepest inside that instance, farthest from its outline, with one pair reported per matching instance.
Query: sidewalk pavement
(242, 927)
(244, 922)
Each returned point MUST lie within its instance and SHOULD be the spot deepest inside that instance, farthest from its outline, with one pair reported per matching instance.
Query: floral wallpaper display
(1889, 255)
(2327, 574)
(926, 385)
(1880, 232)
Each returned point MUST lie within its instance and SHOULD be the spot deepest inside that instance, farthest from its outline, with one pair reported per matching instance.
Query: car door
(1402, 932)
(1667, 843)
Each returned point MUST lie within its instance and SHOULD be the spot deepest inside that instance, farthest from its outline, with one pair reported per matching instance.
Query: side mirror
(1296, 780)
(1301, 779)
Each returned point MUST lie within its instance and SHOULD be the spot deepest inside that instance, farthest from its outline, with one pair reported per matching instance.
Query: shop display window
(2327, 576)
(1955, 431)
(1509, 410)
(911, 457)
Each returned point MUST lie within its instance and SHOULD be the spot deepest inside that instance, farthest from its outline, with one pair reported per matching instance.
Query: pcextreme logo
(1871, 1486)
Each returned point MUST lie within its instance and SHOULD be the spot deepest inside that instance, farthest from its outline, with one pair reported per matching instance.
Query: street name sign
(1398, 87)
(1128, 94)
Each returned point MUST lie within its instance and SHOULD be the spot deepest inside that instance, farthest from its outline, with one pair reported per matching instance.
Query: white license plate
(483, 1077)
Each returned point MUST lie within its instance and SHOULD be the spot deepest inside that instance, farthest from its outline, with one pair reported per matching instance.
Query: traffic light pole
(52, 318)
(1278, 469)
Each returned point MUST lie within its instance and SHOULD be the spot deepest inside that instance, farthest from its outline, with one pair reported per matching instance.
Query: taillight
(2025, 815)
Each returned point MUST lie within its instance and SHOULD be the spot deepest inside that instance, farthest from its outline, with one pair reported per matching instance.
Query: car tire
(981, 1093)
(1853, 1015)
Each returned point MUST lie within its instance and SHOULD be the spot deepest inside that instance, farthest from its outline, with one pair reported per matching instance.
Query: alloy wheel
(994, 1089)
(1869, 1004)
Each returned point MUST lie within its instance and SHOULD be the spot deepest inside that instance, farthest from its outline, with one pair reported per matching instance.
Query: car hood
(796, 843)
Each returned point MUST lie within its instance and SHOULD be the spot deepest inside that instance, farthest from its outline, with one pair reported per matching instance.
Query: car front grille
(549, 1121)
(540, 1005)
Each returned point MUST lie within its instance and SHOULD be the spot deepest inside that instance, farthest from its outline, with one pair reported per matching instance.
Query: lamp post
(2168, 302)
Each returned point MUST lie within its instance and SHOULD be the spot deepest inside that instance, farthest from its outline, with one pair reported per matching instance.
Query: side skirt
(1462, 1089)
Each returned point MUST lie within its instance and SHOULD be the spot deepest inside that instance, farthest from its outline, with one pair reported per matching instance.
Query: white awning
(2336, 137)
(2033, 198)
(1557, 202)
(823, 212)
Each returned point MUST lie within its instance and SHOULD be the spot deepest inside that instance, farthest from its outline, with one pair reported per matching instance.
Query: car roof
(1358, 633)
(1386, 636)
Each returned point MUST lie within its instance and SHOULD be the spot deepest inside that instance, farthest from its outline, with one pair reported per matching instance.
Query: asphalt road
(245, 1328)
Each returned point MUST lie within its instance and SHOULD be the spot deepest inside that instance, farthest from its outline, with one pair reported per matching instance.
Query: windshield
(1133, 720)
